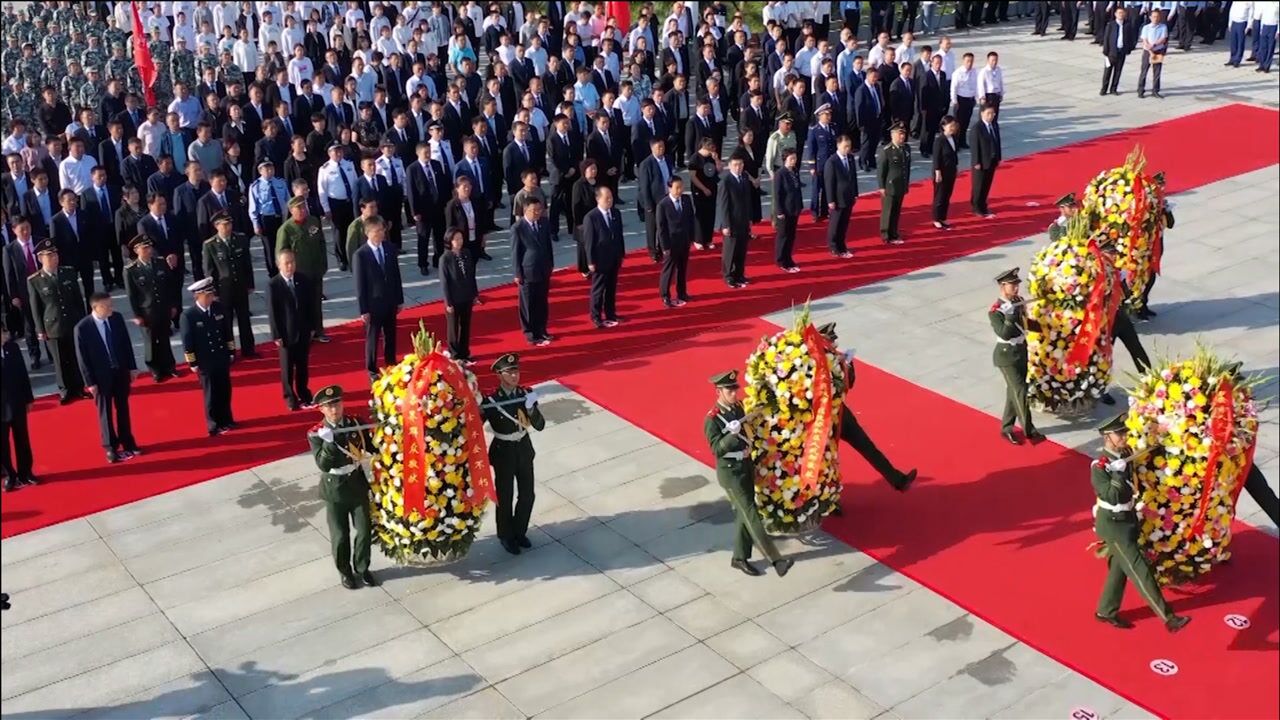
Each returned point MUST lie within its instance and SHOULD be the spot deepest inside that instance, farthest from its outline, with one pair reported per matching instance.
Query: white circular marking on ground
(1167, 668)
(1236, 622)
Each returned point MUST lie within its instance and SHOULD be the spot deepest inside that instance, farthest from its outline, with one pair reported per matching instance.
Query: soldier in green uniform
(780, 141)
(19, 103)
(735, 470)
(338, 444)
(52, 42)
(1117, 526)
(149, 286)
(229, 72)
(511, 410)
(56, 306)
(95, 55)
(302, 234)
(1067, 209)
(1122, 327)
(112, 35)
(893, 172)
(1008, 320)
(228, 260)
(205, 59)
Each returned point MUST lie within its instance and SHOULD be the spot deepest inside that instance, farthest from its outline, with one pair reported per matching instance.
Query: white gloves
(734, 426)
(1006, 307)
(1118, 465)
(848, 356)
(530, 399)
(325, 433)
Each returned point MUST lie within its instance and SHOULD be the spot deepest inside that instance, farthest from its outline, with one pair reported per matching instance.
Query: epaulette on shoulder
(1101, 462)
(206, 242)
(315, 429)
(994, 306)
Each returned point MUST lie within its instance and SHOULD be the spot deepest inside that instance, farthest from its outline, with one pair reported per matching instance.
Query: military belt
(511, 437)
(345, 469)
(735, 455)
(1104, 505)
(1016, 341)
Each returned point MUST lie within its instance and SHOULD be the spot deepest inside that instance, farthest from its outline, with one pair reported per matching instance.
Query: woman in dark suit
(472, 224)
(750, 166)
(127, 217)
(582, 201)
(301, 165)
(945, 164)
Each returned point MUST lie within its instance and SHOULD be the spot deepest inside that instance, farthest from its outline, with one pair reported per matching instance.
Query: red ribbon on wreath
(1157, 242)
(416, 463)
(1104, 300)
(815, 443)
(1222, 424)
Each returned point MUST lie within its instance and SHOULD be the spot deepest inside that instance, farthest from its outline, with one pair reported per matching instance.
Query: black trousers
(513, 481)
(975, 13)
(1256, 485)
(430, 240)
(1070, 19)
(237, 304)
(86, 280)
(907, 20)
(1042, 18)
(981, 180)
(964, 114)
(942, 195)
(852, 19)
(784, 240)
(111, 263)
(458, 331)
(1127, 334)
(216, 387)
(582, 251)
(62, 351)
(383, 324)
(343, 215)
(1111, 74)
(295, 371)
(675, 266)
(533, 308)
(394, 215)
(704, 211)
(837, 229)
(1146, 294)
(890, 212)
(27, 328)
(962, 14)
(868, 143)
(1187, 21)
(17, 465)
(1156, 69)
(651, 233)
(157, 353)
(604, 294)
(114, 426)
(733, 258)
(195, 249)
(560, 205)
(677, 140)
(854, 436)
(270, 226)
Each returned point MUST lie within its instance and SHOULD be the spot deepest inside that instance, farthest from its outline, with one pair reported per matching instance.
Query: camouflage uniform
(91, 94)
(53, 74)
(230, 73)
(53, 44)
(118, 67)
(74, 50)
(31, 70)
(19, 103)
(70, 86)
(23, 30)
(113, 36)
(163, 87)
(80, 22)
(94, 56)
(64, 15)
(182, 67)
(205, 61)
(10, 57)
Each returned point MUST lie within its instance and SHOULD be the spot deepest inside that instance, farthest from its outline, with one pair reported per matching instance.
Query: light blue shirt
(188, 111)
(1157, 34)
(178, 147)
(587, 94)
(260, 196)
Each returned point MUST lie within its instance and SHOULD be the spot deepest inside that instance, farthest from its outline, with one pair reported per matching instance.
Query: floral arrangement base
(795, 386)
(1193, 425)
(444, 560)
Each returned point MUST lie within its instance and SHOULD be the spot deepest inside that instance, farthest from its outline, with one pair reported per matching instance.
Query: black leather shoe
(10, 484)
(349, 581)
(112, 457)
(1036, 437)
(28, 480)
(1176, 623)
(902, 482)
(783, 566)
(1011, 437)
(524, 543)
(1113, 621)
(746, 567)
(668, 303)
(1106, 399)
(510, 547)
(368, 579)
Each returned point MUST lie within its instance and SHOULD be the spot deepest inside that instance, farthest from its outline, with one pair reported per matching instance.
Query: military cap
(46, 246)
(328, 394)
(1115, 424)
(827, 330)
(221, 217)
(725, 379)
(1233, 368)
(201, 286)
(138, 241)
(93, 70)
(387, 142)
(266, 163)
(510, 361)
(897, 127)
(1068, 199)
(26, 45)
(1008, 276)
(786, 117)
(433, 124)
(823, 108)
(297, 201)
(335, 146)
(366, 105)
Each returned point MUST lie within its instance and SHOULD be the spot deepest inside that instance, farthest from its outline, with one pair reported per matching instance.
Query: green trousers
(748, 528)
(1126, 563)
(1015, 399)
(342, 517)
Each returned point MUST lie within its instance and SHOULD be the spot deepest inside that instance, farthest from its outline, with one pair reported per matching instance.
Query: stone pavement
(219, 600)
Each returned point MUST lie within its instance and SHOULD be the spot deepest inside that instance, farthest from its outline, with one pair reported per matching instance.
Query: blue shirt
(1157, 34)
(188, 111)
(178, 148)
(260, 200)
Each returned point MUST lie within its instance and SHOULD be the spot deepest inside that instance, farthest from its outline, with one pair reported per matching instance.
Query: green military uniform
(74, 50)
(344, 488)
(70, 86)
(1010, 357)
(355, 236)
(893, 172)
(152, 291)
(91, 92)
(1117, 527)
(1058, 228)
(306, 240)
(229, 263)
(736, 473)
(10, 57)
(777, 146)
(30, 69)
(182, 67)
(510, 414)
(56, 306)
(230, 73)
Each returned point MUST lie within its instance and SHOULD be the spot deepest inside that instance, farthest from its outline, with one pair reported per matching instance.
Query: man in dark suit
(516, 158)
(458, 286)
(841, 180)
(788, 199)
(428, 191)
(105, 354)
(1118, 40)
(132, 116)
(379, 294)
(902, 97)
(254, 113)
(220, 198)
(14, 184)
(209, 350)
(700, 126)
(20, 263)
(111, 153)
(984, 139)
(15, 400)
(404, 135)
(935, 99)
(602, 236)
(289, 310)
(946, 162)
(734, 206)
(138, 167)
(868, 113)
(675, 230)
(160, 227)
(186, 216)
(564, 154)
(73, 234)
(605, 149)
(99, 203)
(533, 260)
(652, 184)
(40, 204)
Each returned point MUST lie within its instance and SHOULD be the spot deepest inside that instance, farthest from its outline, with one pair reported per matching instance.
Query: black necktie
(106, 340)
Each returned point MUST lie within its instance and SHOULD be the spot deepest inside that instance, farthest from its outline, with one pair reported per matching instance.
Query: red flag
(142, 57)
(621, 12)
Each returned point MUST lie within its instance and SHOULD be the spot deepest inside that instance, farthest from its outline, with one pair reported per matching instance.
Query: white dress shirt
(964, 83)
(991, 81)
(330, 181)
(76, 174)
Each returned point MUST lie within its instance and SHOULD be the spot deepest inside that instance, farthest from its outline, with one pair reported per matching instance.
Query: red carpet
(1001, 531)
(169, 425)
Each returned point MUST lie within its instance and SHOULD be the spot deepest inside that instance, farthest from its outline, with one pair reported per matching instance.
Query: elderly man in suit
(73, 234)
(533, 259)
(675, 228)
(841, 180)
(379, 293)
(652, 183)
(105, 355)
(602, 236)
(984, 139)
(289, 312)
(734, 206)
